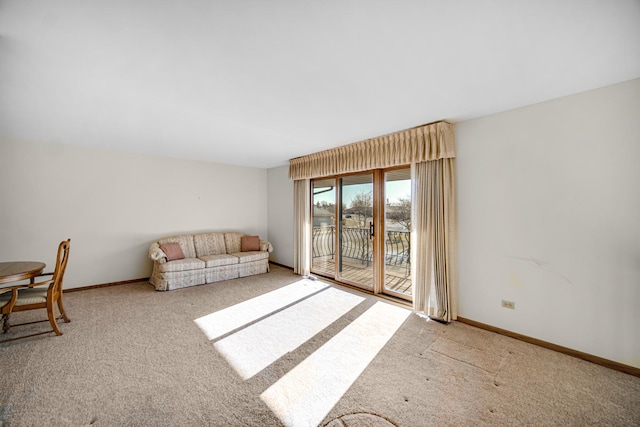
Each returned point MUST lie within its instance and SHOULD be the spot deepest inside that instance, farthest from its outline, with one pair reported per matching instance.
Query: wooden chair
(28, 297)
(7, 299)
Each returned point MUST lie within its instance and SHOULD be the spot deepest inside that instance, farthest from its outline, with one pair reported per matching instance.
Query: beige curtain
(302, 226)
(434, 232)
(423, 143)
(430, 149)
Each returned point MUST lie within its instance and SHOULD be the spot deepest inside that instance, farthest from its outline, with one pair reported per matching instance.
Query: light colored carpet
(360, 420)
(133, 356)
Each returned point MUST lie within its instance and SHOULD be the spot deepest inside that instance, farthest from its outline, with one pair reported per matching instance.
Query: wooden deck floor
(397, 278)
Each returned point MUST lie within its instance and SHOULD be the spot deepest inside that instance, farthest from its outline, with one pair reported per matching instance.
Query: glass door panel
(323, 256)
(347, 213)
(397, 233)
(355, 226)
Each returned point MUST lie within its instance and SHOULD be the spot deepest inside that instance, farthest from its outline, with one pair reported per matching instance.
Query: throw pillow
(173, 251)
(249, 243)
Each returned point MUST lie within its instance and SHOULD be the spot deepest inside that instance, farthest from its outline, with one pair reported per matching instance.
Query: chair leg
(52, 318)
(63, 314)
(5, 323)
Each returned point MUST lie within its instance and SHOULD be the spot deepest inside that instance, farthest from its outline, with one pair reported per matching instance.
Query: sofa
(196, 259)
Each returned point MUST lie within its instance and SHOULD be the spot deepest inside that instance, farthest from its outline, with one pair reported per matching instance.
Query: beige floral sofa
(196, 259)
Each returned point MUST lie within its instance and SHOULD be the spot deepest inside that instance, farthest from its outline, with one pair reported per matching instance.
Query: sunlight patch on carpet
(306, 394)
(222, 322)
(252, 349)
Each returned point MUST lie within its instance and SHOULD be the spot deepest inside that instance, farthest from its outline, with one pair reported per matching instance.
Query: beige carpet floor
(135, 357)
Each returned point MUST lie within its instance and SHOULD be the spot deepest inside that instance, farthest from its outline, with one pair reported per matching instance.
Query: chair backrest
(61, 264)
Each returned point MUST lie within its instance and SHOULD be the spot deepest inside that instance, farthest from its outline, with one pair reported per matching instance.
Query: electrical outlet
(509, 304)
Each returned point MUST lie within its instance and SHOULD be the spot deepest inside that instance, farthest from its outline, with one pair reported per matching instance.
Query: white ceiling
(257, 82)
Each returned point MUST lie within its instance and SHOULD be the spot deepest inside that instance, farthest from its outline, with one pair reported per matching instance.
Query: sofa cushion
(232, 242)
(182, 265)
(209, 244)
(251, 256)
(249, 243)
(218, 260)
(186, 244)
(172, 251)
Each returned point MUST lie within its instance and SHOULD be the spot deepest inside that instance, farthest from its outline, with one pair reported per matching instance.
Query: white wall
(549, 217)
(548, 197)
(113, 205)
(280, 213)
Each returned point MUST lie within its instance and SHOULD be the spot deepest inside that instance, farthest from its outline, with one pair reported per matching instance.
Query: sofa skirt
(225, 272)
(176, 279)
(253, 267)
(170, 280)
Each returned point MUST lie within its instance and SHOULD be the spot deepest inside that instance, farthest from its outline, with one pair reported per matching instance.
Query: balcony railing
(357, 245)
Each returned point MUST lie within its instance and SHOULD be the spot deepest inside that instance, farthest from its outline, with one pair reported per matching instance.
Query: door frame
(378, 258)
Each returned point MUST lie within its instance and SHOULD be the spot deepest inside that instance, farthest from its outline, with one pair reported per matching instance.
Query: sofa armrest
(265, 246)
(156, 254)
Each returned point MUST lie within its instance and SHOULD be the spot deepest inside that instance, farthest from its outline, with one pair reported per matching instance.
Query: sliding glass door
(355, 230)
(397, 233)
(323, 212)
(361, 230)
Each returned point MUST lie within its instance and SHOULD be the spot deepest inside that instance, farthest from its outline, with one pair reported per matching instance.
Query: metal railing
(398, 248)
(323, 241)
(357, 245)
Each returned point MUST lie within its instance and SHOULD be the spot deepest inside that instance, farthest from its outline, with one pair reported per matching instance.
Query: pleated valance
(423, 143)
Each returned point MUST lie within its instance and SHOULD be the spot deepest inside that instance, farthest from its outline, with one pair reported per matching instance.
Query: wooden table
(16, 271)
(20, 270)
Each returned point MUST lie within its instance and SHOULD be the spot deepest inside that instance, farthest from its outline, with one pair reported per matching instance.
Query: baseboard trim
(281, 265)
(631, 370)
(104, 285)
